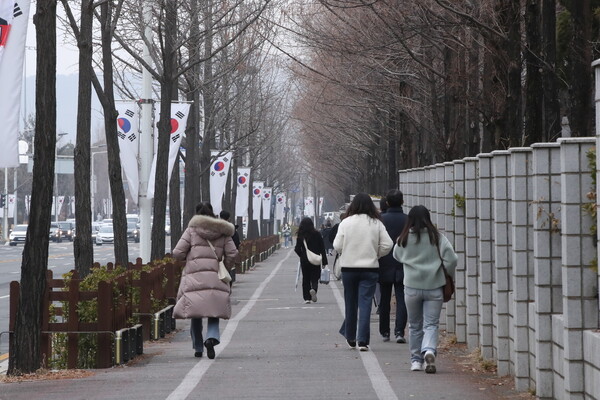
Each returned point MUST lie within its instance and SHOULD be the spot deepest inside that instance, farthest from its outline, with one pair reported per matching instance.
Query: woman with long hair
(202, 294)
(309, 237)
(422, 250)
(361, 240)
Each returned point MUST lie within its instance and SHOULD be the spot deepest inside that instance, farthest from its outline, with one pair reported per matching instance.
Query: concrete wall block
(590, 313)
(592, 382)
(521, 290)
(543, 299)
(541, 241)
(591, 348)
(573, 373)
(573, 344)
(571, 254)
(571, 278)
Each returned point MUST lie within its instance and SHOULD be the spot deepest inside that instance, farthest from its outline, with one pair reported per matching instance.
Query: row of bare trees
(215, 54)
(393, 84)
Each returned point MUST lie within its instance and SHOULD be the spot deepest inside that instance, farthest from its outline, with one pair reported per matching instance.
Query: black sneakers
(198, 354)
(351, 343)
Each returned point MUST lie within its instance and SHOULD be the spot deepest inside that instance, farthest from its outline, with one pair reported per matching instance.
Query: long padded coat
(201, 292)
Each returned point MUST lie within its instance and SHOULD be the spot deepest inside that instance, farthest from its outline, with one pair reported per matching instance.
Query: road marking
(192, 379)
(380, 383)
(294, 308)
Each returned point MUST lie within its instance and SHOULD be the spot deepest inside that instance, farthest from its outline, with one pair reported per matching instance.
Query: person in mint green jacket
(422, 249)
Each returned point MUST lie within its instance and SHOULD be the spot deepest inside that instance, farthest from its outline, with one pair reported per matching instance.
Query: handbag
(448, 288)
(223, 273)
(337, 267)
(325, 276)
(313, 258)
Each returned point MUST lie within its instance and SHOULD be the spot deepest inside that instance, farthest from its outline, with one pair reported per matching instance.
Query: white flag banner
(14, 17)
(219, 171)
(266, 203)
(257, 187)
(73, 205)
(243, 192)
(12, 201)
(53, 205)
(27, 203)
(59, 205)
(280, 200)
(128, 123)
(320, 206)
(179, 116)
(309, 207)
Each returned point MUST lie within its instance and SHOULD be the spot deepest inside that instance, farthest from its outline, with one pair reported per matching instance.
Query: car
(18, 235)
(168, 227)
(55, 233)
(105, 235)
(133, 218)
(133, 233)
(95, 229)
(67, 229)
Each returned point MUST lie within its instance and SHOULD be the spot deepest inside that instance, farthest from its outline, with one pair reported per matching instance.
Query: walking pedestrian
(422, 249)
(309, 237)
(202, 294)
(326, 239)
(287, 235)
(361, 240)
(391, 272)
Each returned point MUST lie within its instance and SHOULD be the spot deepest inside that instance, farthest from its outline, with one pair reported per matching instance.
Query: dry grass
(47, 375)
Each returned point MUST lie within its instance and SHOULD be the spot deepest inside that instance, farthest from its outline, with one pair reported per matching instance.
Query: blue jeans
(212, 331)
(359, 288)
(424, 308)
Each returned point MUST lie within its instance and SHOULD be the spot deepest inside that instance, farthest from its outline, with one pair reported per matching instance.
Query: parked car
(133, 233)
(67, 229)
(17, 235)
(105, 235)
(55, 232)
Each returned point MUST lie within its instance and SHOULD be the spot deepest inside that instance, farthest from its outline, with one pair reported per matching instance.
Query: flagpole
(5, 209)
(146, 144)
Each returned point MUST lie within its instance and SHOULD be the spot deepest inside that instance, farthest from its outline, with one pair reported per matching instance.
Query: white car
(105, 235)
(18, 235)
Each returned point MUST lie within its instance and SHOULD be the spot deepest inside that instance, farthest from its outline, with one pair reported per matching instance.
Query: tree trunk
(192, 167)
(164, 130)
(112, 141)
(533, 83)
(580, 89)
(25, 354)
(551, 128)
(82, 245)
(175, 205)
(208, 89)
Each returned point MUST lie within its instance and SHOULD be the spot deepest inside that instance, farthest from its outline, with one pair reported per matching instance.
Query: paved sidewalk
(274, 347)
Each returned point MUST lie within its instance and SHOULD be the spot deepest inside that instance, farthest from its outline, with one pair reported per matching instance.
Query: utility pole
(146, 143)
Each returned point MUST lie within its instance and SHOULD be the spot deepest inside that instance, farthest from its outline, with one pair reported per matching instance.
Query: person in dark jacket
(224, 214)
(310, 273)
(391, 272)
(326, 241)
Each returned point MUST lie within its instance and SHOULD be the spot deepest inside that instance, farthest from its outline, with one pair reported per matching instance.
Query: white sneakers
(313, 295)
(416, 366)
(429, 362)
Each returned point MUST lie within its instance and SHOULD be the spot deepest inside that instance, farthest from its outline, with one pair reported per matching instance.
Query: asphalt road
(60, 260)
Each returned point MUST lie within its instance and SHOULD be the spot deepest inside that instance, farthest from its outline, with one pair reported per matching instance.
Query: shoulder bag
(223, 273)
(448, 288)
(313, 258)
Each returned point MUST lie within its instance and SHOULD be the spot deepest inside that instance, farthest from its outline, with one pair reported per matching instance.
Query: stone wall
(526, 285)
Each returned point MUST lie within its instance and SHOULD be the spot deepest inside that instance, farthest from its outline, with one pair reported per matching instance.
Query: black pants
(384, 308)
(310, 279)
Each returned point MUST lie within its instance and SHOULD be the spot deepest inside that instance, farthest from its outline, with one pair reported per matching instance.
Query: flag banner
(179, 116)
(320, 206)
(53, 205)
(266, 203)
(128, 124)
(280, 201)
(14, 17)
(243, 192)
(27, 203)
(257, 187)
(219, 171)
(73, 205)
(309, 207)
(12, 201)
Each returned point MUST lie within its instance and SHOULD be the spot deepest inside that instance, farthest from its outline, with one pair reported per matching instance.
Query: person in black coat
(326, 241)
(310, 273)
(391, 272)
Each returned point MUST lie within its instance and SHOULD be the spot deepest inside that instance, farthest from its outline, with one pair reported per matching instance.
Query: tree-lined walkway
(274, 347)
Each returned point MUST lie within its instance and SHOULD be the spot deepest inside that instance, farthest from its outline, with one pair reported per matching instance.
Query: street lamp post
(94, 180)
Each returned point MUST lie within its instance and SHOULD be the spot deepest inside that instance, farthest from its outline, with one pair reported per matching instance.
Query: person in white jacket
(361, 240)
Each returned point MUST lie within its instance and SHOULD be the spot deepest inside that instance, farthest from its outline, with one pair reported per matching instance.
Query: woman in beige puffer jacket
(201, 293)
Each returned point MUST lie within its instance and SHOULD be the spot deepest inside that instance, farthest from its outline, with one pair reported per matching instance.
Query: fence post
(73, 322)
(105, 312)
